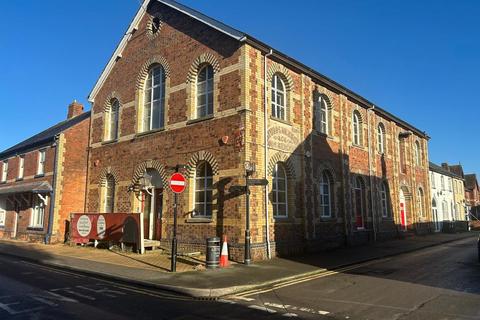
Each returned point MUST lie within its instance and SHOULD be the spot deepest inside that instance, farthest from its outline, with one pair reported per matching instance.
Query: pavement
(151, 270)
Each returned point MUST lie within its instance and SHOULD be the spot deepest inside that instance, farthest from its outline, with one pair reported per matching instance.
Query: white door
(403, 211)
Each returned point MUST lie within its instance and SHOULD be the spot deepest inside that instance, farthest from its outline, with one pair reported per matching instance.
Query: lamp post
(249, 170)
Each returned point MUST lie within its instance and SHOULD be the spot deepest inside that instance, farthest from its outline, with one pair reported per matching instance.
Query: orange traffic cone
(224, 254)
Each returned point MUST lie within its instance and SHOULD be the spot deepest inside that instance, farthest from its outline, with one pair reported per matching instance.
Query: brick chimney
(74, 109)
(445, 166)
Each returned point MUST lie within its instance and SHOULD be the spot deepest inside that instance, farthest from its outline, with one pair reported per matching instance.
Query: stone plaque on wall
(282, 138)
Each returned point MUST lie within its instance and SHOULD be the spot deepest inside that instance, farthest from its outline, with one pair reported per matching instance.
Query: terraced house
(43, 180)
(183, 88)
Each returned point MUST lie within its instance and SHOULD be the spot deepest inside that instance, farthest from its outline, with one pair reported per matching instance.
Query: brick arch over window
(356, 110)
(108, 171)
(206, 58)
(108, 102)
(276, 68)
(326, 167)
(324, 95)
(289, 167)
(201, 156)
(142, 76)
(150, 164)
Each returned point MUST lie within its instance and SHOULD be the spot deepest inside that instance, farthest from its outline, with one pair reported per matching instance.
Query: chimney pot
(74, 109)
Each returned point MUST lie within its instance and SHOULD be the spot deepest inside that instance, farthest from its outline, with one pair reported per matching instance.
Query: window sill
(147, 133)
(35, 228)
(285, 219)
(199, 220)
(327, 219)
(109, 142)
(18, 179)
(40, 175)
(280, 120)
(193, 121)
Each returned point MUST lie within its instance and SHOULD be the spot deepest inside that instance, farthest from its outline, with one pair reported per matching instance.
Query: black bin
(213, 252)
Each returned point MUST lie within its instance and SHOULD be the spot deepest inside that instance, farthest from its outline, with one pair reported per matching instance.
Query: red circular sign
(178, 183)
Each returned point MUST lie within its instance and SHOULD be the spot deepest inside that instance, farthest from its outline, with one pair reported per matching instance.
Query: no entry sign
(178, 183)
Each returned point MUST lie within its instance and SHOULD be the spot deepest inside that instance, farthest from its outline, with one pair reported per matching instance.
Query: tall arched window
(420, 202)
(384, 199)
(205, 91)
(357, 128)
(109, 194)
(203, 189)
(279, 191)
(359, 203)
(279, 97)
(113, 117)
(154, 101)
(381, 138)
(326, 195)
(321, 115)
(418, 154)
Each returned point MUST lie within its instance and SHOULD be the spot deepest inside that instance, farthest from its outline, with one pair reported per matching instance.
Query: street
(441, 282)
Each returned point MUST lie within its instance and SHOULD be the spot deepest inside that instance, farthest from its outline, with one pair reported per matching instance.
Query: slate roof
(471, 181)
(457, 169)
(43, 138)
(439, 169)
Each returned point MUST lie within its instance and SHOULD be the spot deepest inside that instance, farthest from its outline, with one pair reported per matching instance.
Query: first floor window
(38, 213)
(357, 128)
(326, 187)
(154, 101)
(205, 91)
(41, 162)
(21, 166)
(279, 98)
(279, 191)
(384, 199)
(4, 171)
(203, 189)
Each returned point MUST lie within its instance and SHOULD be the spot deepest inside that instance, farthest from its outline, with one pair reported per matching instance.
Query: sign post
(177, 185)
(249, 170)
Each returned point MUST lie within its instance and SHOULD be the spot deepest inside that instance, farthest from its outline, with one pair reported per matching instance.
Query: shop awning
(33, 187)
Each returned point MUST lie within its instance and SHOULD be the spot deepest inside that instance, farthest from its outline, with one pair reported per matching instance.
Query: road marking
(254, 306)
(290, 315)
(8, 307)
(78, 294)
(103, 291)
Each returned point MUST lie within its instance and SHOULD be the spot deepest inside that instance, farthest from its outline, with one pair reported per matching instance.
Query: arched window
(203, 190)
(154, 101)
(420, 202)
(381, 138)
(384, 199)
(205, 91)
(357, 128)
(326, 195)
(279, 191)
(418, 154)
(109, 194)
(113, 116)
(359, 203)
(321, 115)
(279, 98)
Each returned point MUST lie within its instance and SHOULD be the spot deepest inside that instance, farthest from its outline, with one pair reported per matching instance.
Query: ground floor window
(279, 191)
(38, 213)
(203, 190)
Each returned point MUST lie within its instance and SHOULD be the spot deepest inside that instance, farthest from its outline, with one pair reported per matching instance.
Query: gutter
(48, 236)
(265, 142)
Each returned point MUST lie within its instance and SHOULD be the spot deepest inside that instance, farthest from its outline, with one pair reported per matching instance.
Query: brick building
(182, 88)
(43, 180)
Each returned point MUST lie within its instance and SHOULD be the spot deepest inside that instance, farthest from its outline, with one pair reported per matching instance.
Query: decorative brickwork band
(283, 158)
(201, 156)
(206, 58)
(150, 164)
(108, 171)
(142, 76)
(283, 72)
(108, 102)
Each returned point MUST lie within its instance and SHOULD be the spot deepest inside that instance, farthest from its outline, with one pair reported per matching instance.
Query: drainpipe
(370, 171)
(265, 143)
(48, 236)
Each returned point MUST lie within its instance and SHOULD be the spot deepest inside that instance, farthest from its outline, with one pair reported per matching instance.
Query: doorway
(152, 205)
(403, 211)
(435, 216)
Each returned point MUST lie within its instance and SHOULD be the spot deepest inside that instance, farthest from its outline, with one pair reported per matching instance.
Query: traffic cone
(224, 254)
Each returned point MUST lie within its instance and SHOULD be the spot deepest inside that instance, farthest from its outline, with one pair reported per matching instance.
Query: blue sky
(417, 59)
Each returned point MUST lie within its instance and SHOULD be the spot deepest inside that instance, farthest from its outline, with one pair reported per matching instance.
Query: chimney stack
(74, 109)
(445, 166)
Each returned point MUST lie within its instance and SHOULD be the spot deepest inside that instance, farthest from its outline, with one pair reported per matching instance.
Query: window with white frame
(321, 115)
(205, 91)
(21, 167)
(3, 211)
(356, 128)
(5, 171)
(326, 195)
(420, 202)
(279, 191)
(38, 213)
(279, 98)
(41, 162)
(450, 184)
(442, 182)
(113, 117)
(154, 100)
(418, 154)
(432, 179)
(203, 190)
(381, 138)
(109, 194)
(384, 199)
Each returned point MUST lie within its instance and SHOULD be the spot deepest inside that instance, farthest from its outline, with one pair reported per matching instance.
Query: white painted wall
(444, 197)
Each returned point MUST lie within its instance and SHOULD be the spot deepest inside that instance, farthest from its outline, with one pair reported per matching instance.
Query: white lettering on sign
(101, 227)
(84, 226)
(177, 183)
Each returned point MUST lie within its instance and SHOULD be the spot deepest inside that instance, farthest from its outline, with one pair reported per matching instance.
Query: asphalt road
(31, 291)
(436, 283)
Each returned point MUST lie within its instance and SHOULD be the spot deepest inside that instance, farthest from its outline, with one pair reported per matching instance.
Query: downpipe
(265, 144)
